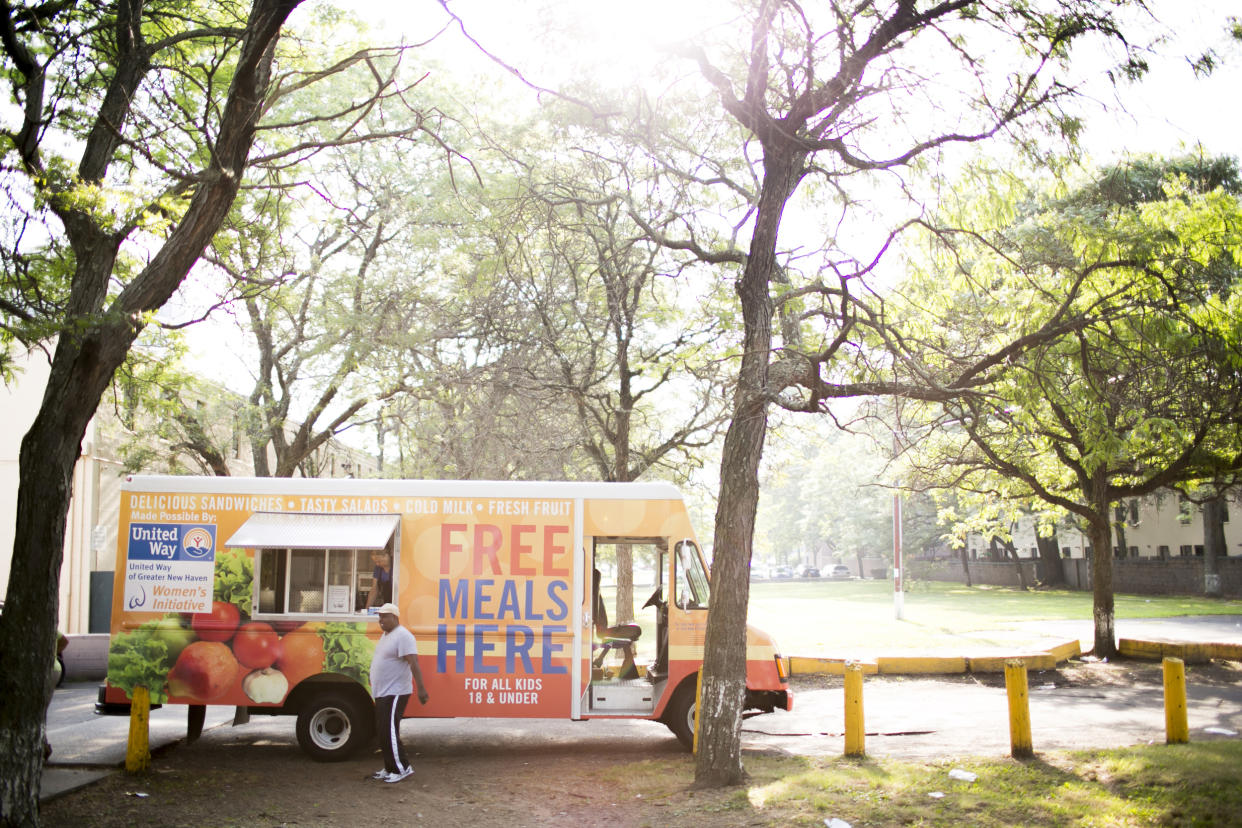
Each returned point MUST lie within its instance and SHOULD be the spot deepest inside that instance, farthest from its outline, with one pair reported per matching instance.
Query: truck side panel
(487, 584)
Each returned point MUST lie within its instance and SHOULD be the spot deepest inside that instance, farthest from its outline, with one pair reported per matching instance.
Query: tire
(679, 715)
(332, 726)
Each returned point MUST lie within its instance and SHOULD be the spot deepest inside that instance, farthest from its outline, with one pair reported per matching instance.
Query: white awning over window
(284, 530)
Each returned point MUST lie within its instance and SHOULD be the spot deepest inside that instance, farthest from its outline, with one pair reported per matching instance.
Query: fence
(1138, 576)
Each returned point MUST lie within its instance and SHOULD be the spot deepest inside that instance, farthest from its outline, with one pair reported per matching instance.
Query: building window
(1164, 552)
(1185, 550)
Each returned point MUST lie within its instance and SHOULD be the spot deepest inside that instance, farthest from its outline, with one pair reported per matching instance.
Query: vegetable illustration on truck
(253, 593)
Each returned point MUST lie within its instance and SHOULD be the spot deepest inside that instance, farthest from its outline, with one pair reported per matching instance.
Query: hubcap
(329, 728)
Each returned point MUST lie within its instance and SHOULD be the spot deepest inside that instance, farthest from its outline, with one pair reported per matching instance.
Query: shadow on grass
(1196, 784)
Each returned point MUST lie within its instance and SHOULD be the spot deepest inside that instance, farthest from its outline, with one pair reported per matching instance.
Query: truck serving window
(313, 580)
(317, 563)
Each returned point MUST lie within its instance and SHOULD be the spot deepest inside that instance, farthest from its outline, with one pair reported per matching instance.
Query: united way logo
(197, 543)
(138, 599)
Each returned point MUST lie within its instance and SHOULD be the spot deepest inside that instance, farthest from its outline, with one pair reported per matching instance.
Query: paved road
(904, 718)
(923, 718)
(913, 718)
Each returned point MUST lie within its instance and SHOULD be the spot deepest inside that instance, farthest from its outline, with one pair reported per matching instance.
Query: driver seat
(620, 638)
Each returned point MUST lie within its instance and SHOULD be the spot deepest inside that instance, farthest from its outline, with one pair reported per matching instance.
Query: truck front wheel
(679, 715)
(332, 726)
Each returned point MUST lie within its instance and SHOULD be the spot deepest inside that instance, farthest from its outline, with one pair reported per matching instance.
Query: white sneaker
(399, 775)
(380, 774)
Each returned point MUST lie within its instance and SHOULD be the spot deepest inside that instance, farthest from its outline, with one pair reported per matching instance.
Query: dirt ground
(234, 779)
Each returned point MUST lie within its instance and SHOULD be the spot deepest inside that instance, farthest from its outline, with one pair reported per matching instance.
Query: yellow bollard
(1177, 731)
(1019, 710)
(138, 752)
(855, 732)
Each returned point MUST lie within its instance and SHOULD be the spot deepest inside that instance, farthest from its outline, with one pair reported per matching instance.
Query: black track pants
(388, 713)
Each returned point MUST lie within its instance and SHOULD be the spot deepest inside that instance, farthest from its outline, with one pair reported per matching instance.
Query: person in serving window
(381, 579)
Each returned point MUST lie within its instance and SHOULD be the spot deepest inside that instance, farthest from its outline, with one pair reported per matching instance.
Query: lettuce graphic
(347, 650)
(234, 579)
(141, 658)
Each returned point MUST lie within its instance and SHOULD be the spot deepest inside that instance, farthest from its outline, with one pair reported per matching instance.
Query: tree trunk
(1119, 527)
(1213, 544)
(88, 353)
(28, 626)
(1050, 557)
(1102, 610)
(965, 555)
(624, 611)
(621, 474)
(719, 759)
(1012, 552)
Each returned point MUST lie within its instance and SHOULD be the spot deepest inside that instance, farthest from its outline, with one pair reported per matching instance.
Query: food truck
(260, 593)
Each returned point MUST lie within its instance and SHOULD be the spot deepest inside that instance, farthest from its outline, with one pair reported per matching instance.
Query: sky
(1170, 110)
(612, 41)
(1172, 106)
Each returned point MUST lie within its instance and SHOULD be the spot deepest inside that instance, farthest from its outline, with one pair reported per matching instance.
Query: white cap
(388, 609)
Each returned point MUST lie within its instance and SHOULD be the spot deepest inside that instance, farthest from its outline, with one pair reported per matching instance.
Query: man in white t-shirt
(393, 665)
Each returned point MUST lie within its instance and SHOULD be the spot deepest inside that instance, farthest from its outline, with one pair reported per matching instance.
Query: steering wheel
(656, 599)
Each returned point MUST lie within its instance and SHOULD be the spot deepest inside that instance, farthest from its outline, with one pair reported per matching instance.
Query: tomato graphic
(205, 670)
(217, 625)
(256, 645)
(301, 653)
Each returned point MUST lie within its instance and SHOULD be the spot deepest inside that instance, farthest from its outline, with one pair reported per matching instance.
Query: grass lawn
(1195, 784)
(856, 619)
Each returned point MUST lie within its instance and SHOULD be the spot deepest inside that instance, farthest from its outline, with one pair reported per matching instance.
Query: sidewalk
(87, 747)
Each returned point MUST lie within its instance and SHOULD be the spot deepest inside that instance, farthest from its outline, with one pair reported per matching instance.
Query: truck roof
(382, 487)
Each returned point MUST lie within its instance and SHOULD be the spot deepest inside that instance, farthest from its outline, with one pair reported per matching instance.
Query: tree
(133, 134)
(600, 317)
(835, 94)
(154, 393)
(1212, 496)
(350, 300)
(1142, 387)
(825, 489)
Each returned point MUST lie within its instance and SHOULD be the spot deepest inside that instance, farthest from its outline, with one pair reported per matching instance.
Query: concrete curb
(919, 664)
(1189, 652)
(1048, 659)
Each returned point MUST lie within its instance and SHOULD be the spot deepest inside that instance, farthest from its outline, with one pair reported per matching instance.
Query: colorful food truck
(260, 593)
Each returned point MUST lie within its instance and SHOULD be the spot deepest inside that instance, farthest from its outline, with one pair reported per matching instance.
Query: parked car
(840, 572)
(782, 572)
(758, 572)
(809, 571)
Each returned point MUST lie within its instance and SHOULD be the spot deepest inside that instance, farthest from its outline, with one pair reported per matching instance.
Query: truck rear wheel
(679, 715)
(332, 726)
